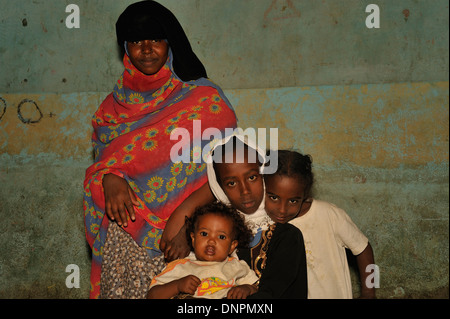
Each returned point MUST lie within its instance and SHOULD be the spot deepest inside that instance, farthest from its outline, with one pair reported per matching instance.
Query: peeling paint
(365, 125)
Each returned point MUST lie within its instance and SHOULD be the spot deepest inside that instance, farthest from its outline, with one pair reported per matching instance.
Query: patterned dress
(150, 131)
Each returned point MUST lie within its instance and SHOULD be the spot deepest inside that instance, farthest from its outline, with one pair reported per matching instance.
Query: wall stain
(2, 104)
(287, 10)
(406, 14)
(35, 118)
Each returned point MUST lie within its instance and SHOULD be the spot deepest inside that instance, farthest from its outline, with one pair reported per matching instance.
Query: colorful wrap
(131, 139)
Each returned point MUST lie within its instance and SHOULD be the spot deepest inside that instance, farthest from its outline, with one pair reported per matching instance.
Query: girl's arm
(363, 260)
(186, 284)
(241, 291)
(173, 242)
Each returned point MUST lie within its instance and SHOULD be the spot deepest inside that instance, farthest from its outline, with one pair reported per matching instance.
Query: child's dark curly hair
(241, 232)
(295, 164)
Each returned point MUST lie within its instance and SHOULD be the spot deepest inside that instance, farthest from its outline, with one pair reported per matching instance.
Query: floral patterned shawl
(131, 139)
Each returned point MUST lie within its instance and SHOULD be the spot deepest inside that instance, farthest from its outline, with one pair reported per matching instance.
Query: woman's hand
(119, 199)
(177, 247)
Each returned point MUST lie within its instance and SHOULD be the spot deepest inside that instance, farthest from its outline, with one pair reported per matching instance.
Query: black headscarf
(147, 20)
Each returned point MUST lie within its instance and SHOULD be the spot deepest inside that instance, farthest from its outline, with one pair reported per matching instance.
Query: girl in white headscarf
(235, 168)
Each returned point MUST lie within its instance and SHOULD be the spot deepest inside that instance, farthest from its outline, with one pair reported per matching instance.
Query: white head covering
(259, 220)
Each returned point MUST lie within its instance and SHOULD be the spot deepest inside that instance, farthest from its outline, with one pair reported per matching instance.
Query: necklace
(260, 261)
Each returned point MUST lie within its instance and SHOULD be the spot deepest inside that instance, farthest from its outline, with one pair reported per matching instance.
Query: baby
(214, 230)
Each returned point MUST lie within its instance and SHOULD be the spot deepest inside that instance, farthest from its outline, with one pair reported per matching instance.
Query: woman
(133, 181)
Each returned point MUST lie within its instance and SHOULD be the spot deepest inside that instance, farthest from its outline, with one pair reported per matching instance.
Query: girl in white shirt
(327, 230)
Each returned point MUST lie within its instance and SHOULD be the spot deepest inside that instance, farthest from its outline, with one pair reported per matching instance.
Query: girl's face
(284, 198)
(212, 239)
(148, 56)
(243, 185)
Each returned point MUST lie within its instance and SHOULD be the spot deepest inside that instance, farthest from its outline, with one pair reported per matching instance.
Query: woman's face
(148, 56)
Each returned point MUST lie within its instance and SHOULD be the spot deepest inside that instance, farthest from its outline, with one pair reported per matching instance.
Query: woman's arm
(173, 242)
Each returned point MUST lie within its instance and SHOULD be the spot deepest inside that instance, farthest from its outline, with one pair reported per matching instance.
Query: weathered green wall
(370, 106)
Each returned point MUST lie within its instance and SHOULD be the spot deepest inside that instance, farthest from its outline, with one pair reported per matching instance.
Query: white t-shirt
(217, 277)
(327, 230)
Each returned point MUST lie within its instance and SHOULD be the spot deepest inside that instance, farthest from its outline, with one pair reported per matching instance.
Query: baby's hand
(241, 292)
(188, 284)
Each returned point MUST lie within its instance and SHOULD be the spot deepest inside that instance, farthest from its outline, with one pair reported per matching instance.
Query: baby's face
(213, 238)
(243, 185)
